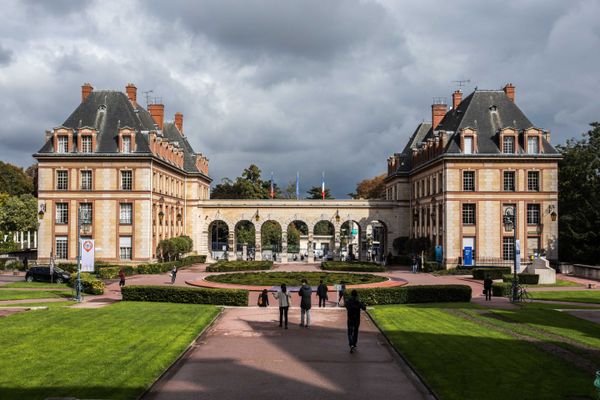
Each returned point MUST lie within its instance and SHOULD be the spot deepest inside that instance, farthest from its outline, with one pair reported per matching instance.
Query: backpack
(260, 300)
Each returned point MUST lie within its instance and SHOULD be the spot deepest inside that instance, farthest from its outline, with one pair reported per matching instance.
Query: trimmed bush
(454, 271)
(352, 266)
(500, 289)
(226, 266)
(110, 271)
(89, 283)
(431, 266)
(492, 272)
(525, 279)
(415, 294)
(175, 294)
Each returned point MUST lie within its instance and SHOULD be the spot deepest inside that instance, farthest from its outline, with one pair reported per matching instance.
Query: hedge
(226, 266)
(352, 266)
(89, 283)
(525, 279)
(11, 264)
(175, 294)
(501, 289)
(492, 272)
(431, 266)
(415, 294)
(399, 260)
(111, 271)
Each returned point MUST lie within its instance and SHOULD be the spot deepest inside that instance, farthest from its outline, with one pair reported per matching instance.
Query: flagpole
(272, 193)
(297, 185)
(323, 186)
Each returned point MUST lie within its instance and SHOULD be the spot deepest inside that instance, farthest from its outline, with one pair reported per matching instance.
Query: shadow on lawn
(82, 392)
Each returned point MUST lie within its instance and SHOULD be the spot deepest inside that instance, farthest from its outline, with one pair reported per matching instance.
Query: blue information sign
(438, 253)
(468, 256)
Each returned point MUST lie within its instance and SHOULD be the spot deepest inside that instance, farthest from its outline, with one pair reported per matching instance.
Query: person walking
(487, 287)
(173, 274)
(263, 299)
(322, 293)
(342, 291)
(415, 264)
(285, 300)
(121, 278)
(353, 306)
(305, 293)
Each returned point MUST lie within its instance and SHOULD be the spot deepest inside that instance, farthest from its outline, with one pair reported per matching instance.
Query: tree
(32, 173)
(271, 235)
(578, 198)
(14, 181)
(324, 228)
(373, 188)
(245, 233)
(247, 186)
(314, 193)
(290, 191)
(19, 213)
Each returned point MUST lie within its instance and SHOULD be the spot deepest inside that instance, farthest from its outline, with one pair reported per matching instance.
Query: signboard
(468, 256)
(438, 253)
(87, 255)
(518, 255)
(354, 231)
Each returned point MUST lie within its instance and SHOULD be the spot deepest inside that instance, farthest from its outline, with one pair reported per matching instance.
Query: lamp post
(82, 217)
(510, 220)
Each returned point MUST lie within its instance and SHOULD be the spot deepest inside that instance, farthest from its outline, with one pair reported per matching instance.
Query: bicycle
(523, 295)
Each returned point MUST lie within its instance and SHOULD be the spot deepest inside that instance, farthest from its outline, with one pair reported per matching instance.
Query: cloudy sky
(309, 86)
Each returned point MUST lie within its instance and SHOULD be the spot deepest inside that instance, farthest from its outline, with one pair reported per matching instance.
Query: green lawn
(576, 296)
(16, 294)
(462, 359)
(559, 283)
(38, 285)
(293, 278)
(114, 352)
(43, 304)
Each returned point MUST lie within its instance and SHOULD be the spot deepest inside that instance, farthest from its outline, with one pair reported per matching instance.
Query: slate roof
(107, 111)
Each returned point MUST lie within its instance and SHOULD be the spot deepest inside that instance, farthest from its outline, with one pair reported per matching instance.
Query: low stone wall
(581, 270)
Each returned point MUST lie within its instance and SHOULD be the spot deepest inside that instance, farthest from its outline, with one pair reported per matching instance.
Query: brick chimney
(86, 90)
(157, 111)
(437, 114)
(509, 89)
(179, 121)
(456, 98)
(131, 93)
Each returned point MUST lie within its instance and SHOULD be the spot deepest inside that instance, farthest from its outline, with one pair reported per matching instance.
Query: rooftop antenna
(462, 82)
(147, 96)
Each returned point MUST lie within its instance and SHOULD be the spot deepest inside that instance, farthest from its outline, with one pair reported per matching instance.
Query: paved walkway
(245, 355)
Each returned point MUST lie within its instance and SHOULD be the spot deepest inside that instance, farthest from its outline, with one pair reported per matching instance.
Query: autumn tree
(373, 188)
(14, 181)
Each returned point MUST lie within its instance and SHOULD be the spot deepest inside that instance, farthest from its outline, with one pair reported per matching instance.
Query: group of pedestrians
(352, 304)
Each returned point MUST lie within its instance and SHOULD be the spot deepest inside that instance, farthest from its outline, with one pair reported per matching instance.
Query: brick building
(134, 173)
(461, 171)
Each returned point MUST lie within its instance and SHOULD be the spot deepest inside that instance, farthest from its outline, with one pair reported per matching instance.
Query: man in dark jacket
(305, 293)
(487, 287)
(322, 293)
(353, 306)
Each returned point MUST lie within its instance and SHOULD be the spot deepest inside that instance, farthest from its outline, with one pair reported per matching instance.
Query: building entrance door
(469, 242)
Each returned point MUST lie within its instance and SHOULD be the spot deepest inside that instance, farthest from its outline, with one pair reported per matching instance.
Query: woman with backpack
(285, 301)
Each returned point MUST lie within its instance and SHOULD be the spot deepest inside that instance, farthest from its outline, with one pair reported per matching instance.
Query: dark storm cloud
(309, 86)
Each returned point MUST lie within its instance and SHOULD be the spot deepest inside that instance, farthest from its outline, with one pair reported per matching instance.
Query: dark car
(43, 274)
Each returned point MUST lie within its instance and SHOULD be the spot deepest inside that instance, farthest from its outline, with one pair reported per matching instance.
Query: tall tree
(578, 198)
(247, 186)
(14, 181)
(19, 213)
(373, 188)
(290, 191)
(314, 193)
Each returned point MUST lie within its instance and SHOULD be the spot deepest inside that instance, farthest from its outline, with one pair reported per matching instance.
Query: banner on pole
(518, 255)
(87, 255)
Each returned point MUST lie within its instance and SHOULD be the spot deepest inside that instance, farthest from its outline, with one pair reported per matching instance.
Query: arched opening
(350, 241)
(218, 236)
(323, 240)
(270, 232)
(245, 235)
(297, 241)
(375, 243)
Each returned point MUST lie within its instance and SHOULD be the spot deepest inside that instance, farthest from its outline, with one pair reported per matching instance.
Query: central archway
(270, 233)
(245, 235)
(350, 241)
(297, 241)
(323, 240)
(218, 235)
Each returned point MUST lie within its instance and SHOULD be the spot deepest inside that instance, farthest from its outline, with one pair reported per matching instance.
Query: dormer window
(62, 144)
(508, 145)
(126, 144)
(126, 140)
(532, 140)
(86, 144)
(533, 144)
(468, 141)
(468, 145)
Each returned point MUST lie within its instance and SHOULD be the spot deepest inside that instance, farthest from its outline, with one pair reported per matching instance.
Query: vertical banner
(468, 255)
(87, 255)
(518, 255)
(438, 254)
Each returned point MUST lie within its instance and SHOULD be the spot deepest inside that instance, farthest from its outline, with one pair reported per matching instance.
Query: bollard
(597, 383)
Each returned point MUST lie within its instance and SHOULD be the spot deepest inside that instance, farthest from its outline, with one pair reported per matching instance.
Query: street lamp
(83, 217)
(510, 222)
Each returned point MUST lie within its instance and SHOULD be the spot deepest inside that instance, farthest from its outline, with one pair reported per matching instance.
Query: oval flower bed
(294, 278)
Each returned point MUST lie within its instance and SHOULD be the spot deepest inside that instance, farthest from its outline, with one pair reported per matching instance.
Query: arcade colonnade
(392, 215)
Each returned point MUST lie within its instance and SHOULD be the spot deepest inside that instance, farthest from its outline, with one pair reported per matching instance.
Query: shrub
(454, 271)
(174, 294)
(500, 289)
(11, 264)
(226, 266)
(492, 272)
(431, 266)
(69, 267)
(111, 271)
(174, 248)
(525, 279)
(399, 260)
(89, 283)
(416, 294)
(189, 260)
(351, 266)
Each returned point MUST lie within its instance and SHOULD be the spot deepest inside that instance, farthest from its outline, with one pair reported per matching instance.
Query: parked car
(42, 274)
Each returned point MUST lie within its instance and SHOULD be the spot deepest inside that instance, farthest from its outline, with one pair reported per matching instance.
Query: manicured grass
(559, 283)
(35, 285)
(461, 359)
(293, 278)
(576, 296)
(43, 304)
(114, 352)
(16, 294)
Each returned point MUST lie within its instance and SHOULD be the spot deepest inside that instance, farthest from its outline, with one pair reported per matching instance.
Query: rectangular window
(468, 214)
(533, 214)
(62, 180)
(126, 214)
(508, 248)
(126, 144)
(509, 181)
(508, 144)
(126, 180)
(85, 210)
(86, 180)
(532, 145)
(86, 144)
(62, 213)
(469, 181)
(468, 145)
(434, 184)
(125, 247)
(63, 144)
(61, 247)
(533, 181)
